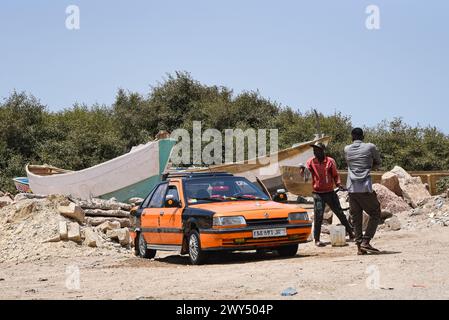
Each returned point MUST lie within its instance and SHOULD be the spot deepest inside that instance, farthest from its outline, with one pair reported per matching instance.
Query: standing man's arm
(377, 161)
(335, 175)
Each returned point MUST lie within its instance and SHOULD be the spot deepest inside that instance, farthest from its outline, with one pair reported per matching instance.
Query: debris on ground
(289, 292)
(35, 227)
(405, 203)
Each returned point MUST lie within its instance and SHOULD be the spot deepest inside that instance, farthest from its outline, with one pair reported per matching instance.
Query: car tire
(142, 248)
(288, 251)
(196, 255)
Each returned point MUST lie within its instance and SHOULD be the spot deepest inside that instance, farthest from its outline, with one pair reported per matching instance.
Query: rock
(108, 225)
(389, 201)
(385, 214)
(74, 233)
(390, 180)
(122, 235)
(91, 239)
(5, 200)
(72, 211)
(63, 233)
(401, 173)
(53, 239)
(2, 193)
(413, 189)
(96, 221)
(393, 223)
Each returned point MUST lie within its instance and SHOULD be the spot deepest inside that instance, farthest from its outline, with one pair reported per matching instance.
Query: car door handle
(161, 213)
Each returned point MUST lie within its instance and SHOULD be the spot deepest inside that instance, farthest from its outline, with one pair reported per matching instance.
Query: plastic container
(338, 236)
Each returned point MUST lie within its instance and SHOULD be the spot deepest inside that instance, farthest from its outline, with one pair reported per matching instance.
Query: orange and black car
(197, 213)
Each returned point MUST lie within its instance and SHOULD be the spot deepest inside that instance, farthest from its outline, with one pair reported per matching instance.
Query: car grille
(266, 222)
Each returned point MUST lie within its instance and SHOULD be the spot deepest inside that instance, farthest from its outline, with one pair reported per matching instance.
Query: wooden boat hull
(269, 172)
(133, 174)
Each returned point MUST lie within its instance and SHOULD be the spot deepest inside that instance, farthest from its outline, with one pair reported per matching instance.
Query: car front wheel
(196, 255)
(143, 250)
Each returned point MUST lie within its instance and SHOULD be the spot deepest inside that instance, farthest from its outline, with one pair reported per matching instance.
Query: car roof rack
(186, 174)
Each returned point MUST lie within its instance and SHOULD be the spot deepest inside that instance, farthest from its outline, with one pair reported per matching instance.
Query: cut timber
(106, 213)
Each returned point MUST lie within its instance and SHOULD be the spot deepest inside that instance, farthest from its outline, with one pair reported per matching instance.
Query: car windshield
(218, 189)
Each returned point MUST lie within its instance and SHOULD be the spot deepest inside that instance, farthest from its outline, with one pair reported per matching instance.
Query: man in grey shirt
(361, 158)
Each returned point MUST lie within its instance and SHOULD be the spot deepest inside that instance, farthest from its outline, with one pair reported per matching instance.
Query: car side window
(146, 202)
(157, 199)
(173, 193)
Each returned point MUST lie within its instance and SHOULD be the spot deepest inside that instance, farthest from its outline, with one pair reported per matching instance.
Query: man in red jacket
(324, 175)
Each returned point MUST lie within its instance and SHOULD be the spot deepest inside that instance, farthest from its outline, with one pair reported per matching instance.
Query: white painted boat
(268, 169)
(133, 174)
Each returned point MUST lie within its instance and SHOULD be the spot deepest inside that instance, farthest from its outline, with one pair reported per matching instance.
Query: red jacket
(324, 174)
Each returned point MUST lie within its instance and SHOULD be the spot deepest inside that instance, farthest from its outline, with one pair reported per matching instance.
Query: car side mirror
(280, 196)
(170, 202)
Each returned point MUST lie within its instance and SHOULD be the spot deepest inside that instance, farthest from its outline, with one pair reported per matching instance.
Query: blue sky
(302, 54)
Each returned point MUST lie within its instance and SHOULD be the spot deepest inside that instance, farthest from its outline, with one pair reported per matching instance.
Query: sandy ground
(414, 266)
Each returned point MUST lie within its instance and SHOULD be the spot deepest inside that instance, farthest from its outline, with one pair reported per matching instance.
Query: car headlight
(294, 216)
(229, 221)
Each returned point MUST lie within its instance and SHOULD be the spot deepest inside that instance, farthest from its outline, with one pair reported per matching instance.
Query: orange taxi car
(197, 213)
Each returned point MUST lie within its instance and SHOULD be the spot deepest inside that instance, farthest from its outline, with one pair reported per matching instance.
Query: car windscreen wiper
(242, 197)
(209, 199)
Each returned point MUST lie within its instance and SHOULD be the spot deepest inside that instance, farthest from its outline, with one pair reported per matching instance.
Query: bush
(443, 184)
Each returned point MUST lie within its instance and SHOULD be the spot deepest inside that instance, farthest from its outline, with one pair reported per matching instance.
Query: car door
(150, 218)
(171, 218)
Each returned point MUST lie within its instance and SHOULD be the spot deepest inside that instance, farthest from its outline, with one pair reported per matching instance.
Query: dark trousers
(331, 199)
(367, 202)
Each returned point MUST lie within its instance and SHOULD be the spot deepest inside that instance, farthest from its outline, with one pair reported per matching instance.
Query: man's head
(319, 150)
(357, 134)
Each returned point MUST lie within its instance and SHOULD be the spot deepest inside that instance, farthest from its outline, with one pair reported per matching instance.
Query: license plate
(265, 233)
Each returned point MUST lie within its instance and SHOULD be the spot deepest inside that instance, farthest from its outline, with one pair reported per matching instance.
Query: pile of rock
(403, 198)
(37, 227)
(102, 220)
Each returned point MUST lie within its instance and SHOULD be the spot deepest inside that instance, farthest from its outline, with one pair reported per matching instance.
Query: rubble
(96, 221)
(73, 232)
(33, 227)
(389, 201)
(393, 223)
(5, 200)
(63, 231)
(108, 225)
(391, 181)
(72, 211)
(122, 235)
(413, 189)
(91, 238)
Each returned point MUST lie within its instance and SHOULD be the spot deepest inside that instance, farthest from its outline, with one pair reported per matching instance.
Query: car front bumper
(242, 238)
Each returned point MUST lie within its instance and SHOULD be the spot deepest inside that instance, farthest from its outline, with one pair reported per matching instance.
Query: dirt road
(414, 267)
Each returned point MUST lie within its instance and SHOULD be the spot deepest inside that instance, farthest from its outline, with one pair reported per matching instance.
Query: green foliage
(443, 184)
(82, 136)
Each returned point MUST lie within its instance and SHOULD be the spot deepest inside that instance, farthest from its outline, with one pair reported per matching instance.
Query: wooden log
(106, 213)
(103, 204)
(96, 221)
